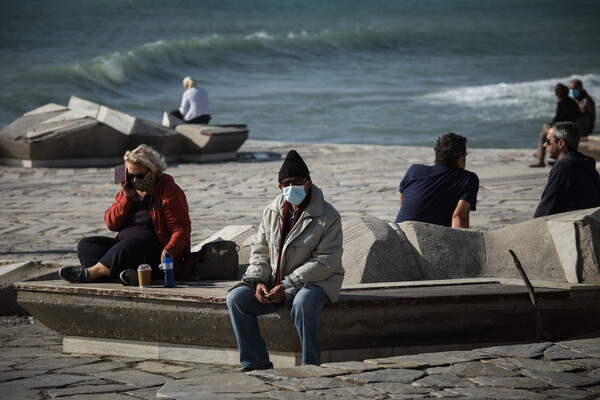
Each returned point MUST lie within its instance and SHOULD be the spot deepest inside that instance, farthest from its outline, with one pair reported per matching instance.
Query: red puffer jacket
(170, 216)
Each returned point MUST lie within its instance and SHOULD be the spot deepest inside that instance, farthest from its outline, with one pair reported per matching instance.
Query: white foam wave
(509, 94)
(522, 100)
(302, 34)
(260, 35)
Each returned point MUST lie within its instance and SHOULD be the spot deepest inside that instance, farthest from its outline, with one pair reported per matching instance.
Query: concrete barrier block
(373, 252)
(534, 246)
(84, 106)
(446, 253)
(116, 119)
(13, 272)
(48, 108)
(69, 115)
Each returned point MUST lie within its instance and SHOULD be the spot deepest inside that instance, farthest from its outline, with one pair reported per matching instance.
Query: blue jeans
(244, 309)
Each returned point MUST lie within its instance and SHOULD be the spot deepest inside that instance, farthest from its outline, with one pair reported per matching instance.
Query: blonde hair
(147, 156)
(188, 82)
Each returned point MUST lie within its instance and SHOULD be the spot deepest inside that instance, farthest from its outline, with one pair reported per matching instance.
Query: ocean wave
(165, 59)
(528, 100)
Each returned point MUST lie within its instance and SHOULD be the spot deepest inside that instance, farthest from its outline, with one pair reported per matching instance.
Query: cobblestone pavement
(33, 367)
(46, 211)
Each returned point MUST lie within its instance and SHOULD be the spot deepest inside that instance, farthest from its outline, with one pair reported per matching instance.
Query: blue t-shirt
(431, 193)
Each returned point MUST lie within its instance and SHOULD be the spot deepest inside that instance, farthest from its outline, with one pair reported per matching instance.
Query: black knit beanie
(293, 166)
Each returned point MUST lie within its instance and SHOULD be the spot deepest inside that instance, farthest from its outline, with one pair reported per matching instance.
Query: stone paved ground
(45, 212)
(33, 367)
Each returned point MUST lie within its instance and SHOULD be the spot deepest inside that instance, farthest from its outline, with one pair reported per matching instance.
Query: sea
(381, 72)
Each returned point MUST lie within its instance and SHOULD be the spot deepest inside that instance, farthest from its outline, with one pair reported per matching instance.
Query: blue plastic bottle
(167, 267)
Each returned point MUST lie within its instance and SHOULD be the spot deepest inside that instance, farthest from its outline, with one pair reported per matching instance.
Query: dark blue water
(344, 71)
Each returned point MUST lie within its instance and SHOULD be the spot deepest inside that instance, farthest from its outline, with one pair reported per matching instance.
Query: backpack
(216, 260)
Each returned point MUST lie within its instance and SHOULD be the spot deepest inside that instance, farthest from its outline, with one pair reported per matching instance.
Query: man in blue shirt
(573, 182)
(441, 194)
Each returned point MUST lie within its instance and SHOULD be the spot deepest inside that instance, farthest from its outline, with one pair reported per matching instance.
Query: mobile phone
(120, 176)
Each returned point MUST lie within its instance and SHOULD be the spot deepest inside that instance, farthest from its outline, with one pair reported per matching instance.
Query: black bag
(214, 261)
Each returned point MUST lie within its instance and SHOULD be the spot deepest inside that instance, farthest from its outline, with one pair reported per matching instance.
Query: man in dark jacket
(587, 119)
(573, 182)
(567, 110)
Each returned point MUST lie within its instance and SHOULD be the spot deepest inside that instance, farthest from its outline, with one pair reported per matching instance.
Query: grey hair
(188, 82)
(568, 132)
(147, 156)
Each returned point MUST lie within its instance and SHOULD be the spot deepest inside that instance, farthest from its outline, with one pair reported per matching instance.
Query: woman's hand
(128, 189)
(163, 254)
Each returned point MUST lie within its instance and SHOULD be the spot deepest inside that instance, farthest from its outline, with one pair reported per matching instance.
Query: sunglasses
(139, 176)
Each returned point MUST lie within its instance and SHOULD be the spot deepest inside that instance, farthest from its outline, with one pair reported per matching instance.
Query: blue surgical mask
(573, 93)
(294, 194)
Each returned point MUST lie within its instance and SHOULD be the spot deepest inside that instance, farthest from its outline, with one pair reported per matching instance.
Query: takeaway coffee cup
(144, 275)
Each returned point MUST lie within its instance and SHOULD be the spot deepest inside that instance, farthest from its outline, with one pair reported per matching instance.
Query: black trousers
(203, 119)
(118, 255)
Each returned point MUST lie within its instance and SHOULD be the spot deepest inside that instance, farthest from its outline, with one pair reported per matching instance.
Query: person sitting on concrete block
(150, 214)
(573, 182)
(566, 110)
(444, 193)
(295, 260)
(586, 104)
(194, 107)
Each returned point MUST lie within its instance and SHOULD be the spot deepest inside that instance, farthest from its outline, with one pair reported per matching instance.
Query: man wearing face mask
(296, 260)
(585, 122)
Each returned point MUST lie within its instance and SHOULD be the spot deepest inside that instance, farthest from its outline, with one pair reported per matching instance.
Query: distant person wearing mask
(194, 104)
(573, 182)
(442, 194)
(587, 119)
(567, 110)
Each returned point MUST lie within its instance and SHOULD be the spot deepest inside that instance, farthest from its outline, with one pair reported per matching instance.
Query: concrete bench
(369, 320)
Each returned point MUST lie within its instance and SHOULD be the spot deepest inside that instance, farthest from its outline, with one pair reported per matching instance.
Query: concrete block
(12, 272)
(48, 108)
(84, 106)
(171, 121)
(560, 248)
(211, 139)
(66, 116)
(50, 135)
(373, 252)
(445, 253)
(117, 120)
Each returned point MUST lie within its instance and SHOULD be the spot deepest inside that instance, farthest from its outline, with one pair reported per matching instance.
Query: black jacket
(567, 110)
(573, 184)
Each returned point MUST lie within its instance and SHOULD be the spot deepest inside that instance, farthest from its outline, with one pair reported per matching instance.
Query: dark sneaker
(75, 274)
(266, 366)
(129, 277)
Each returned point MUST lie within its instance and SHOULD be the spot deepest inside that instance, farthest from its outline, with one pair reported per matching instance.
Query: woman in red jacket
(150, 214)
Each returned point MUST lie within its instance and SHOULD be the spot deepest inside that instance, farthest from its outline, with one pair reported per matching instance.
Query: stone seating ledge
(191, 323)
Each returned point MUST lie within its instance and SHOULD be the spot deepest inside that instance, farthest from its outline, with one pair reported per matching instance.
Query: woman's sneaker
(75, 274)
(129, 277)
